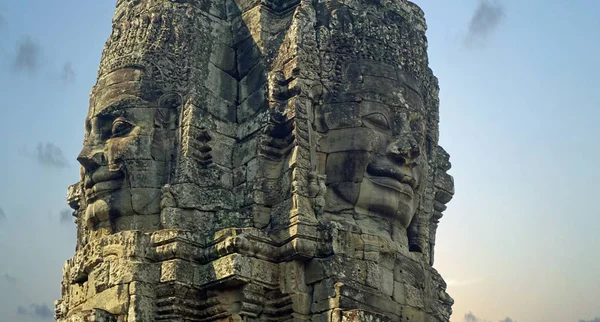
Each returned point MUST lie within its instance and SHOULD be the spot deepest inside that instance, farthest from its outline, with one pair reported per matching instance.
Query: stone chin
(385, 189)
(108, 205)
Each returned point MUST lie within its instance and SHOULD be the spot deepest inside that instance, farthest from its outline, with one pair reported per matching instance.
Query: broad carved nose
(91, 158)
(404, 149)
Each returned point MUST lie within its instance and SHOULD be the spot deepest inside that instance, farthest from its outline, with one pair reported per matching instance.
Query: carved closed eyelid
(376, 119)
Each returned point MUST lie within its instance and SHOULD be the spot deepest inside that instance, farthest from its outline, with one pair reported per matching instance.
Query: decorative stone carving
(260, 161)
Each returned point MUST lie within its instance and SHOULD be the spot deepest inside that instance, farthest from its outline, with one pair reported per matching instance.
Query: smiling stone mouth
(101, 182)
(393, 184)
(386, 175)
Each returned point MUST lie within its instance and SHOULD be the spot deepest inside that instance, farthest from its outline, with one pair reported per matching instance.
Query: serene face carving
(375, 143)
(125, 149)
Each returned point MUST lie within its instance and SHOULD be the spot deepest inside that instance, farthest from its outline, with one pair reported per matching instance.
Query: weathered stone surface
(270, 160)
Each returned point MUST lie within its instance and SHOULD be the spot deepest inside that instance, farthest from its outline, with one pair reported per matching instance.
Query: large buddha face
(125, 152)
(375, 143)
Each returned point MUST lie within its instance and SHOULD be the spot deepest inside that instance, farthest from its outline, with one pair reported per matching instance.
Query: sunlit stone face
(375, 143)
(126, 148)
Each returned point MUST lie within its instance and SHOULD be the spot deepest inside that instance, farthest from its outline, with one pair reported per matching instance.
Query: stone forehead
(384, 70)
(378, 76)
(356, 110)
(125, 74)
(121, 89)
(356, 116)
(130, 91)
(371, 81)
(132, 67)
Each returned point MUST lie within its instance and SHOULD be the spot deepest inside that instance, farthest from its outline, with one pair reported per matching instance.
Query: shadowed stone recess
(272, 160)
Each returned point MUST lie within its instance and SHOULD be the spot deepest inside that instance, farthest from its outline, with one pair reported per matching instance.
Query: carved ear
(170, 100)
(320, 95)
(166, 114)
(317, 93)
(415, 238)
(75, 195)
(443, 191)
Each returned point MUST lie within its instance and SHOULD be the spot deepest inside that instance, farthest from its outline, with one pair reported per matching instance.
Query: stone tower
(260, 160)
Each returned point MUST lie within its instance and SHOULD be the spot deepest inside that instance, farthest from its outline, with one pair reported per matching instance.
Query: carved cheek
(127, 148)
(381, 142)
(115, 149)
(345, 172)
(349, 166)
(419, 171)
(353, 139)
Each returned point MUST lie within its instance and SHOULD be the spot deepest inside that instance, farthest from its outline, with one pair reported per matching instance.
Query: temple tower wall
(260, 161)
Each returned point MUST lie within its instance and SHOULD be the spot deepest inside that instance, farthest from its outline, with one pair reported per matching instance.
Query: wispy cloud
(49, 155)
(67, 74)
(28, 53)
(485, 19)
(597, 319)
(470, 317)
(2, 215)
(66, 216)
(36, 310)
(22, 311)
(10, 279)
(42, 311)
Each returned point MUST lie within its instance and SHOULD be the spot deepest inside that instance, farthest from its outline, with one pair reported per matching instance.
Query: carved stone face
(375, 143)
(126, 148)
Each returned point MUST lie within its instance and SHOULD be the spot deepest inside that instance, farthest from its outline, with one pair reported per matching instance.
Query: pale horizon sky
(519, 104)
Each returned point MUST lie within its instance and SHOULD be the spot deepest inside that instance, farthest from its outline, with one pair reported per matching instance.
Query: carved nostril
(99, 159)
(90, 159)
(415, 153)
(404, 150)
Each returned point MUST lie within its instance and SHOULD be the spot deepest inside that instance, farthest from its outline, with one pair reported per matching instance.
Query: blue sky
(519, 107)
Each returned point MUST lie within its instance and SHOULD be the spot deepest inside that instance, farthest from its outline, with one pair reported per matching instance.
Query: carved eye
(120, 128)
(376, 119)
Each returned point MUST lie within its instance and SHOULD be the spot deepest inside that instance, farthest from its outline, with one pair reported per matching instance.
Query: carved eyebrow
(376, 107)
(120, 105)
(416, 92)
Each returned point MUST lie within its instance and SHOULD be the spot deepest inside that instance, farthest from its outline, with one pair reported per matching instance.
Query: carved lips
(101, 182)
(392, 176)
